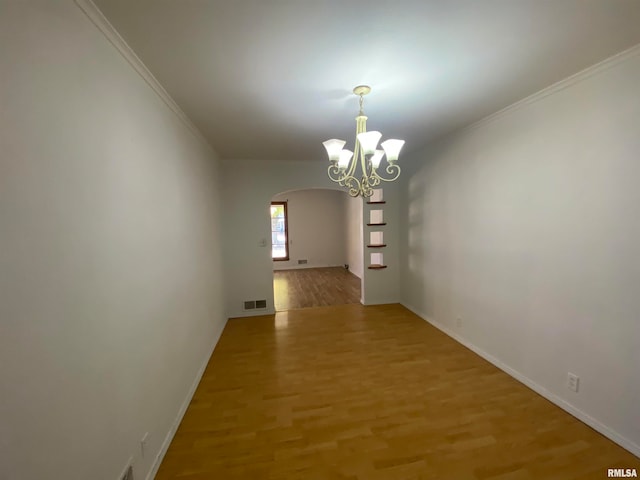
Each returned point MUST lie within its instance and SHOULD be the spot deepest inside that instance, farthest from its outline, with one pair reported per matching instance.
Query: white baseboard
(256, 312)
(552, 397)
(303, 266)
(183, 408)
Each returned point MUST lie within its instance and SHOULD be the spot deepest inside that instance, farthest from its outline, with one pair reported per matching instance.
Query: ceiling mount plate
(362, 89)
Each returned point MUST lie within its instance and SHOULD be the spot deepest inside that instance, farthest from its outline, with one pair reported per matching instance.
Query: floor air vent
(302, 262)
(255, 304)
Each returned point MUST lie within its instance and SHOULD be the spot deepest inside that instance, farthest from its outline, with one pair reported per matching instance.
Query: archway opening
(317, 248)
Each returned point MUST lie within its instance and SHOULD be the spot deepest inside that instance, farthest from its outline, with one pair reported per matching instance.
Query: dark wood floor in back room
(371, 393)
(314, 287)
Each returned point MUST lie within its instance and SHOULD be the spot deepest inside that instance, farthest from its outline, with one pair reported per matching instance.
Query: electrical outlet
(143, 444)
(573, 381)
(459, 322)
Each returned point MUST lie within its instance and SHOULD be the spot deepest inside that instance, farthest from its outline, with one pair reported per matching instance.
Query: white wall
(353, 231)
(110, 268)
(316, 228)
(527, 227)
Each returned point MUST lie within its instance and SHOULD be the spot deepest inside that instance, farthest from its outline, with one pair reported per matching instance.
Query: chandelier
(343, 168)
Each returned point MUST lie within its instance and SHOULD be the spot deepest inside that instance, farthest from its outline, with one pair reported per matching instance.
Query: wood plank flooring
(371, 393)
(314, 287)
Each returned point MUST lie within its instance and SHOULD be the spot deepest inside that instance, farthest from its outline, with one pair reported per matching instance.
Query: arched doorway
(317, 248)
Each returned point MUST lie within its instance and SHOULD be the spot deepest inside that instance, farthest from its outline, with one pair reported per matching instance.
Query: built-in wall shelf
(376, 238)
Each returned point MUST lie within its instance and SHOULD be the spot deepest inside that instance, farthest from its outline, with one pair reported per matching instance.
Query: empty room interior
(277, 239)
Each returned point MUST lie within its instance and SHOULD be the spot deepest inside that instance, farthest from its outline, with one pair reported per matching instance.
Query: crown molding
(100, 21)
(582, 75)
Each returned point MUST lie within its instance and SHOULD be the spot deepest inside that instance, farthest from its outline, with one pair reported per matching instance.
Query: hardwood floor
(371, 393)
(314, 287)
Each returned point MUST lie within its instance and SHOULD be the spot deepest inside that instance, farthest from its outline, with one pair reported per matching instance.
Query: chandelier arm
(365, 189)
(354, 160)
(374, 180)
(354, 186)
(393, 170)
(334, 173)
(363, 166)
(361, 127)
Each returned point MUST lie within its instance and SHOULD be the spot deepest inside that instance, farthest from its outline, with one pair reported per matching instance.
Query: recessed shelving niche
(376, 240)
(377, 261)
(376, 217)
(377, 197)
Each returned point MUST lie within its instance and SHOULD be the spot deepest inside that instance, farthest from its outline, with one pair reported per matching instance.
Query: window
(279, 233)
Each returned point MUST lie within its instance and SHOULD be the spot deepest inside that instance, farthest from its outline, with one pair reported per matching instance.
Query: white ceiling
(272, 79)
